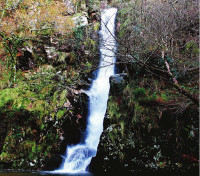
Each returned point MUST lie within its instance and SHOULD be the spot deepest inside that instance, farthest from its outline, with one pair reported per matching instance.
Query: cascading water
(78, 157)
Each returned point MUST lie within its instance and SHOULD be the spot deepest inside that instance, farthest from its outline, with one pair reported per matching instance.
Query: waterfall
(78, 157)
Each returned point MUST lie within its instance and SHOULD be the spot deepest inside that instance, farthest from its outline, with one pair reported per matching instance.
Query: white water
(78, 157)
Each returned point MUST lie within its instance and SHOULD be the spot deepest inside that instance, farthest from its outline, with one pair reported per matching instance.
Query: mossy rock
(61, 113)
(59, 98)
(6, 157)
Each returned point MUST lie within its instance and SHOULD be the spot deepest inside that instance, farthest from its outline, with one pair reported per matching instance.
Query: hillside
(49, 54)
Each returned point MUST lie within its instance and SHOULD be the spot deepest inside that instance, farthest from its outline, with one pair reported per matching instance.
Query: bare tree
(165, 29)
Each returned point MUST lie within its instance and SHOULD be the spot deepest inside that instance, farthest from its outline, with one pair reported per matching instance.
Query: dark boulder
(54, 162)
(26, 61)
(117, 82)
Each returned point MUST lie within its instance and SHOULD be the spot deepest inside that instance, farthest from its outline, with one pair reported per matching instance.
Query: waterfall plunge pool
(42, 173)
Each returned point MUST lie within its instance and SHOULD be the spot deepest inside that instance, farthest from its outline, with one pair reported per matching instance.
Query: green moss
(90, 45)
(60, 113)
(113, 109)
(40, 148)
(121, 156)
(17, 97)
(63, 95)
(62, 57)
(59, 98)
(122, 125)
(6, 157)
(40, 106)
(46, 91)
(112, 137)
(55, 97)
(191, 45)
(72, 57)
(27, 145)
(96, 26)
(139, 93)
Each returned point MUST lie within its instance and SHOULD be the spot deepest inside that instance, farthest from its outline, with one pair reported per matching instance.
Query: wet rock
(54, 162)
(118, 78)
(117, 83)
(83, 105)
(80, 19)
(85, 84)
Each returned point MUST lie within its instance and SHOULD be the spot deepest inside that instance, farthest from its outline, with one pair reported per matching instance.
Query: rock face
(70, 7)
(117, 82)
(26, 61)
(42, 136)
(53, 163)
(80, 20)
(138, 137)
(75, 6)
(46, 110)
(118, 78)
(49, 111)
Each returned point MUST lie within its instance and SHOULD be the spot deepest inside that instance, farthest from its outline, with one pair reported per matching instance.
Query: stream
(78, 157)
(29, 173)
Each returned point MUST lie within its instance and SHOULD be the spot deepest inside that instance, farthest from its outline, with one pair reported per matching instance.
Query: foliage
(149, 123)
(139, 138)
(157, 38)
(31, 18)
(139, 93)
(33, 112)
(11, 45)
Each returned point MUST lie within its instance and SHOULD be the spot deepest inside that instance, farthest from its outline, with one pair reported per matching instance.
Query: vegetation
(48, 50)
(43, 62)
(152, 116)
